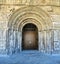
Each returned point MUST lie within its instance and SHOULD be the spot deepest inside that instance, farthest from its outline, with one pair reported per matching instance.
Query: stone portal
(30, 28)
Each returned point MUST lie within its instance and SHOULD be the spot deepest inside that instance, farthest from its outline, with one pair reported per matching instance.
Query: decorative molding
(30, 2)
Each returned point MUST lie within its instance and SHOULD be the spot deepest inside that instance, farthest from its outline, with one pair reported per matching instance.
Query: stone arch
(29, 20)
(30, 14)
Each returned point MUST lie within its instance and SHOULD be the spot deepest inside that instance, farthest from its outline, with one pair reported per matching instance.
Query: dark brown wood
(30, 39)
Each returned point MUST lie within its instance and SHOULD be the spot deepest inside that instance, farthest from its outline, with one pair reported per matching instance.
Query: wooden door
(30, 40)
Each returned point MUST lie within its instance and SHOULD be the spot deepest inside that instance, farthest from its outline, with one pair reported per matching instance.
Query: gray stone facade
(13, 17)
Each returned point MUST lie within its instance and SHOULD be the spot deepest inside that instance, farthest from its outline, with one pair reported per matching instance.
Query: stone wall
(8, 8)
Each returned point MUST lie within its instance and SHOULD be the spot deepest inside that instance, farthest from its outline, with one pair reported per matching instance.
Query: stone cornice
(28, 5)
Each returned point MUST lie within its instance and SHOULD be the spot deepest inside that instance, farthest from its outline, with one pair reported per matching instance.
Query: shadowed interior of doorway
(29, 37)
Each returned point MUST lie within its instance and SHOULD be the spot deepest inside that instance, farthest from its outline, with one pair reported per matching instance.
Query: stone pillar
(48, 41)
(7, 42)
(45, 40)
(11, 41)
(20, 40)
(52, 41)
(41, 41)
(16, 41)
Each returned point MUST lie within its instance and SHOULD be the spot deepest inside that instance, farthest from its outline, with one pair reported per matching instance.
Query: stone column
(7, 41)
(41, 41)
(16, 41)
(52, 41)
(48, 41)
(45, 40)
(20, 40)
(11, 41)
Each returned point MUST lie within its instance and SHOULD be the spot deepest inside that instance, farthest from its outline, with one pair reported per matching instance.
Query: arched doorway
(29, 37)
(16, 29)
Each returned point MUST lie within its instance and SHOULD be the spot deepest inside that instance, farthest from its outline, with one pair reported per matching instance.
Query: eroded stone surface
(47, 14)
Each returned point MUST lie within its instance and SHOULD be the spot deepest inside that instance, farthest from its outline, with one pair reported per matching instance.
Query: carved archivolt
(32, 14)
